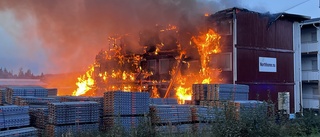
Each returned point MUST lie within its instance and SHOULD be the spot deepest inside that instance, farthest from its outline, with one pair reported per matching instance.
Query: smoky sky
(72, 32)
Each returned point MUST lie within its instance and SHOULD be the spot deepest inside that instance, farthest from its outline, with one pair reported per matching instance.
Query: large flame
(206, 44)
(85, 83)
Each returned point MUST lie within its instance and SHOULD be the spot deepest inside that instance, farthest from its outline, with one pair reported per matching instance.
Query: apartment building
(310, 60)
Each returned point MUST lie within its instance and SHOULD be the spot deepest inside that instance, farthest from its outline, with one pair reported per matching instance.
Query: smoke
(72, 32)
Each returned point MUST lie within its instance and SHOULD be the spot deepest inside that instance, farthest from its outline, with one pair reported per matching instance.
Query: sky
(35, 37)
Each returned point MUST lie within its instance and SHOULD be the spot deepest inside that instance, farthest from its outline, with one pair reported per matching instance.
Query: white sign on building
(267, 64)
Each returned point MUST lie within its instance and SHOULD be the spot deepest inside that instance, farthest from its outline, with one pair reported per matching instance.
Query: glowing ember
(155, 93)
(85, 83)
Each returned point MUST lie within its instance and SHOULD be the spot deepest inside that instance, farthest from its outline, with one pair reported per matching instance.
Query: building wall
(258, 37)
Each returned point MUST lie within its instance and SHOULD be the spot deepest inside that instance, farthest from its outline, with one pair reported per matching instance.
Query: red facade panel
(248, 66)
(260, 36)
(269, 92)
(256, 30)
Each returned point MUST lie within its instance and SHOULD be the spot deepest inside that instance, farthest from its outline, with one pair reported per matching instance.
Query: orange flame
(155, 93)
(206, 44)
(85, 83)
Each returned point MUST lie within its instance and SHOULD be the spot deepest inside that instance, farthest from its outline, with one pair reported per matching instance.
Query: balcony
(308, 75)
(309, 47)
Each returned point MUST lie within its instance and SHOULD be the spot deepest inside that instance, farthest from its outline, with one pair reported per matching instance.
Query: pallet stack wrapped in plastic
(125, 109)
(20, 132)
(34, 102)
(164, 117)
(99, 100)
(73, 117)
(14, 116)
(162, 114)
(233, 92)
(252, 107)
(14, 91)
(163, 101)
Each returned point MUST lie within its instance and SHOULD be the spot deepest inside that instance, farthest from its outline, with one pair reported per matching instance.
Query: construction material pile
(210, 94)
(172, 129)
(2, 96)
(72, 130)
(14, 91)
(72, 116)
(20, 132)
(164, 114)
(125, 109)
(126, 103)
(14, 116)
(204, 114)
(252, 107)
(39, 119)
(52, 92)
(163, 101)
(99, 100)
(34, 102)
(73, 112)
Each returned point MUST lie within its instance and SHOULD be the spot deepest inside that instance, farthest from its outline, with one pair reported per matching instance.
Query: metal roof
(273, 17)
(311, 21)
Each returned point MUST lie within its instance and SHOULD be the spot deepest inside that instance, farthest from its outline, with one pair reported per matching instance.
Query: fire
(155, 93)
(116, 70)
(206, 44)
(183, 94)
(85, 83)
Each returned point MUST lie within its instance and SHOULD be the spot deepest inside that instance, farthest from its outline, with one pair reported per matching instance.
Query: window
(164, 66)
(314, 65)
(309, 35)
(221, 61)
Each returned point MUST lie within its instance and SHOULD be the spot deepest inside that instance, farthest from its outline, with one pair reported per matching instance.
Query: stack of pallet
(67, 116)
(14, 116)
(20, 132)
(39, 119)
(34, 102)
(233, 92)
(99, 100)
(2, 96)
(252, 107)
(204, 114)
(126, 109)
(52, 92)
(72, 130)
(172, 129)
(163, 114)
(163, 101)
(212, 94)
(14, 91)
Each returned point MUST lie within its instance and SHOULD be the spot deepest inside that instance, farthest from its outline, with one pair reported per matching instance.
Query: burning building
(165, 67)
(235, 46)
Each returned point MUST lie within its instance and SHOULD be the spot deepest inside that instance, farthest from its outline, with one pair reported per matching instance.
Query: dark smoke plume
(72, 32)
